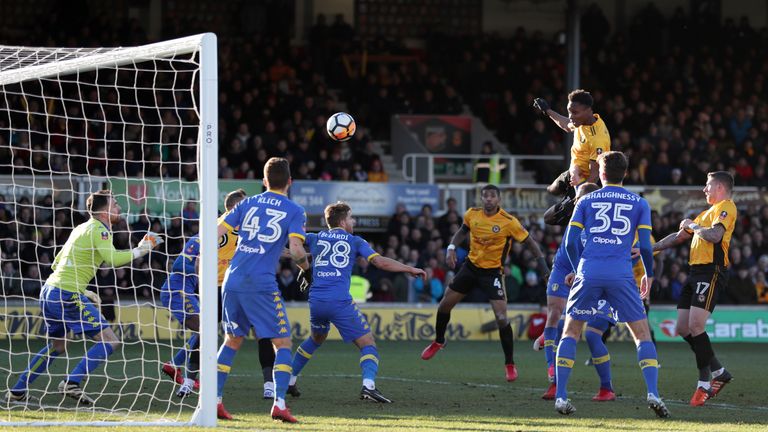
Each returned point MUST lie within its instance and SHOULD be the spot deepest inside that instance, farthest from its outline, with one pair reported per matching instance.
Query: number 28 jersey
(335, 252)
(609, 217)
(265, 222)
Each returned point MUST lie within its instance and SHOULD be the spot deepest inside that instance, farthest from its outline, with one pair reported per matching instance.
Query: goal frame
(207, 157)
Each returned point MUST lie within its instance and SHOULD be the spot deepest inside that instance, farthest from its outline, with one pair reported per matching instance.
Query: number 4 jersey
(265, 222)
(334, 253)
(610, 216)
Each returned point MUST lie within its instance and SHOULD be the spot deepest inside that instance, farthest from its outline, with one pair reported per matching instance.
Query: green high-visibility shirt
(88, 246)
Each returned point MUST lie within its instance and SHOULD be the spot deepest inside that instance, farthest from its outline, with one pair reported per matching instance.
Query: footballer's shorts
(606, 316)
(344, 315)
(703, 287)
(262, 311)
(182, 305)
(65, 310)
(556, 286)
(621, 293)
(490, 281)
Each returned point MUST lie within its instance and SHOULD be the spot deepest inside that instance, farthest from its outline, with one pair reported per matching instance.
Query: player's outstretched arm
(391, 265)
(672, 240)
(560, 120)
(713, 234)
(116, 258)
(541, 261)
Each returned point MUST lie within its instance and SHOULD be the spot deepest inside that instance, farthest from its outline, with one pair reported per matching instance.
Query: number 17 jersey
(335, 252)
(265, 222)
(609, 217)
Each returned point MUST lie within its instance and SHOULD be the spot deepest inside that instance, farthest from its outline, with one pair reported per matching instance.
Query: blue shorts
(64, 311)
(264, 311)
(181, 304)
(556, 286)
(622, 295)
(344, 315)
(605, 313)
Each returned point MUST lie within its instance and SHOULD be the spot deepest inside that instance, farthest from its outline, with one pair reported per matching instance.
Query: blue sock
(223, 366)
(303, 354)
(560, 327)
(369, 362)
(93, 358)
(601, 359)
(550, 334)
(566, 356)
(649, 364)
(281, 373)
(181, 355)
(37, 365)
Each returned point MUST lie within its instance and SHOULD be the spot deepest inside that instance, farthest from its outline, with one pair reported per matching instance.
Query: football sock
(37, 365)
(606, 334)
(566, 355)
(649, 364)
(704, 353)
(223, 366)
(369, 363)
(282, 373)
(714, 364)
(507, 343)
(181, 355)
(550, 333)
(440, 325)
(601, 359)
(193, 365)
(93, 358)
(560, 327)
(689, 339)
(303, 354)
(266, 358)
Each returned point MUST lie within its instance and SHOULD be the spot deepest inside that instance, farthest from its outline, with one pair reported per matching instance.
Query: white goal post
(55, 102)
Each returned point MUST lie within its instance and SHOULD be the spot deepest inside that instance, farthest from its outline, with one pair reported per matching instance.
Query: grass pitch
(461, 389)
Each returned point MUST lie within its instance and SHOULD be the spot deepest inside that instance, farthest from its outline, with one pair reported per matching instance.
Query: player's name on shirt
(261, 199)
(335, 234)
(626, 196)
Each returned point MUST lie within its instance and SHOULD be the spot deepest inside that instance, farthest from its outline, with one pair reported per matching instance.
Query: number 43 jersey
(335, 252)
(265, 222)
(609, 217)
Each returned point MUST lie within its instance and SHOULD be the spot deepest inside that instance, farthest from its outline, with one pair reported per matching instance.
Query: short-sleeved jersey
(227, 246)
(490, 237)
(610, 216)
(183, 271)
(703, 252)
(335, 252)
(589, 142)
(638, 269)
(88, 246)
(264, 222)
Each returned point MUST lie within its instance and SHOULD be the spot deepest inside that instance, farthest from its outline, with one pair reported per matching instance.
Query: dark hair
(724, 178)
(614, 166)
(491, 187)
(233, 198)
(335, 213)
(277, 171)
(97, 201)
(582, 97)
(586, 188)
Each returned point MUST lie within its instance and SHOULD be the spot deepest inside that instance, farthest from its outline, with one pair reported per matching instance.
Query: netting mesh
(130, 125)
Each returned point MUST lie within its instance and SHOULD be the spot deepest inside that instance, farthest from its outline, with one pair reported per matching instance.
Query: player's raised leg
(443, 317)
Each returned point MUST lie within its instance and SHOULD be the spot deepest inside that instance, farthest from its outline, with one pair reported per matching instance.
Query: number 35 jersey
(609, 217)
(265, 222)
(334, 253)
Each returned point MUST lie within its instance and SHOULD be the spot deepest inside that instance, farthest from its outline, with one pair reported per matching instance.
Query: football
(340, 126)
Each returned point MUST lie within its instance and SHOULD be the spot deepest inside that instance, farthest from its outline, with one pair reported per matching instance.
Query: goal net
(142, 122)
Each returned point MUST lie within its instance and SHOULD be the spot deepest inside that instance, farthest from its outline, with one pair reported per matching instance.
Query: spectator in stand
(377, 173)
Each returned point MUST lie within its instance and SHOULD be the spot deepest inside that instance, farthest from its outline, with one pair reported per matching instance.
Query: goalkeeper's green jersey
(89, 245)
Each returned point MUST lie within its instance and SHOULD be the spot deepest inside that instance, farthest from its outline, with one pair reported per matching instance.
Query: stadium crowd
(274, 99)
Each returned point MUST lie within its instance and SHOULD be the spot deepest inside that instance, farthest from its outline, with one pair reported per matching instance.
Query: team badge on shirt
(105, 234)
(496, 228)
(555, 286)
(723, 214)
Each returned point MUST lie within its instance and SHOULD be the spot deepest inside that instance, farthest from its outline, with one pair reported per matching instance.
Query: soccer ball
(340, 126)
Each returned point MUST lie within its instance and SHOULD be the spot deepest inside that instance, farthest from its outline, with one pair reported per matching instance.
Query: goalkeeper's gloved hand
(304, 278)
(149, 242)
(94, 298)
(541, 105)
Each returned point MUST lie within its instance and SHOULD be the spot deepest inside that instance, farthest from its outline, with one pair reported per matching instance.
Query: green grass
(461, 389)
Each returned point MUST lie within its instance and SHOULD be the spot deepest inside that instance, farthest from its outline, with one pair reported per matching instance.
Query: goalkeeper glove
(94, 298)
(541, 105)
(149, 242)
(304, 278)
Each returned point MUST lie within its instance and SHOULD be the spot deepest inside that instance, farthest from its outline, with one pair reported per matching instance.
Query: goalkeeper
(67, 305)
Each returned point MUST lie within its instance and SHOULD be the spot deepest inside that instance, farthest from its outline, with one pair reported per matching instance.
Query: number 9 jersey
(265, 222)
(335, 252)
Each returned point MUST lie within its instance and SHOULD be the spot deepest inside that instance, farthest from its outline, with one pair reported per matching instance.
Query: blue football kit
(330, 302)
(179, 292)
